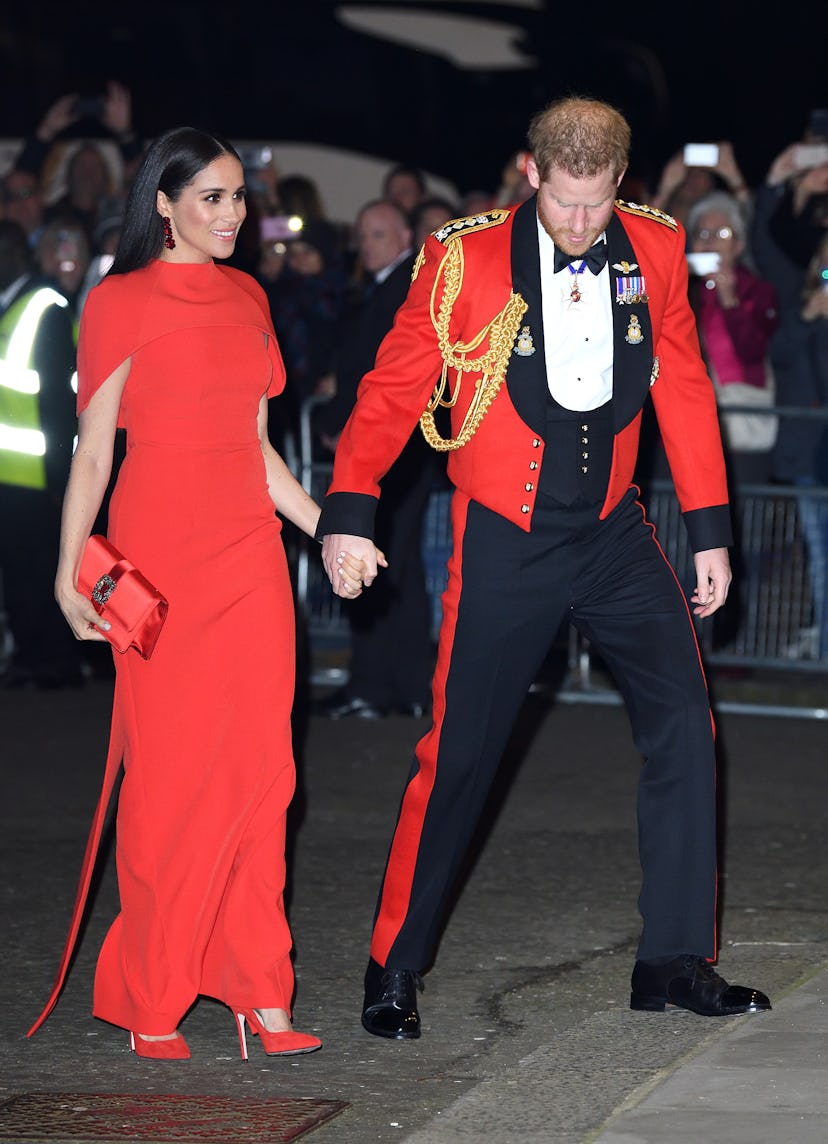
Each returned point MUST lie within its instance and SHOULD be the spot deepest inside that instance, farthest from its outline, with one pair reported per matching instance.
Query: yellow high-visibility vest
(22, 441)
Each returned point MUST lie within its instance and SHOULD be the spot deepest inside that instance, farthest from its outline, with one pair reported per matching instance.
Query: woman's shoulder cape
(127, 311)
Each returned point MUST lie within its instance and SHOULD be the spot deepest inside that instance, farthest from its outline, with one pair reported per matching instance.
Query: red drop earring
(169, 241)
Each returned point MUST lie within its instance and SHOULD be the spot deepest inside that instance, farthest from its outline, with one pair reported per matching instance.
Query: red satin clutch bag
(122, 595)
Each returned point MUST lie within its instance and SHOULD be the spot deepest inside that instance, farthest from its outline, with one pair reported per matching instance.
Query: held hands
(351, 563)
(713, 577)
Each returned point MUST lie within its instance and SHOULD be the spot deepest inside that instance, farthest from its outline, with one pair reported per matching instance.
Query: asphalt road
(527, 1034)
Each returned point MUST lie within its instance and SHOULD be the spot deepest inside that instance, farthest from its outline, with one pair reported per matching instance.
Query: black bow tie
(595, 258)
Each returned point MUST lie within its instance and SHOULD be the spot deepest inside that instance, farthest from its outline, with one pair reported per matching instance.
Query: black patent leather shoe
(390, 1008)
(343, 706)
(691, 983)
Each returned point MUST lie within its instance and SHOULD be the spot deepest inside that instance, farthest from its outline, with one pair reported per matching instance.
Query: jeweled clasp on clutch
(103, 589)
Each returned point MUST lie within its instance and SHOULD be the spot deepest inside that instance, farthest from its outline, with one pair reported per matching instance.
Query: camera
(808, 155)
(701, 155)
(279, 228)
(701, 262)
(88, 106)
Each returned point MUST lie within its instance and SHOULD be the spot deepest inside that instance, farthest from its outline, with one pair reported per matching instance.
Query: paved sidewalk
(758, 1079)
(761, 1081)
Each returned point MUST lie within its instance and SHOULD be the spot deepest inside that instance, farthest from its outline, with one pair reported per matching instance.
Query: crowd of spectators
(761, 295)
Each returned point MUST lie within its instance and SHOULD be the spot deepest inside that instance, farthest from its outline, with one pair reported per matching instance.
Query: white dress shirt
(578, 336)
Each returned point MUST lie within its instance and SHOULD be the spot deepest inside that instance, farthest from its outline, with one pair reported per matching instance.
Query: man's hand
(339, 547)
(713, 577)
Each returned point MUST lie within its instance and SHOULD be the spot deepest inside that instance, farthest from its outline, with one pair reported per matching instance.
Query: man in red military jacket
(549, 325)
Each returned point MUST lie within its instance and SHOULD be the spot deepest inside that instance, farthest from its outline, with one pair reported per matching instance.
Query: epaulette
(458, 226)
(644, 211)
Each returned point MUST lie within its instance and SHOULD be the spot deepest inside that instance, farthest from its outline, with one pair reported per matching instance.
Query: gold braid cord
(491, 364)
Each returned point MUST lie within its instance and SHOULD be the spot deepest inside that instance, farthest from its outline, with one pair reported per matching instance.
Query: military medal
(524, 345)
(575, 293)
(630, 290)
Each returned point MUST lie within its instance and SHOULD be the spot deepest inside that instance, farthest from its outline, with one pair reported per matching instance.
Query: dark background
(292, 72)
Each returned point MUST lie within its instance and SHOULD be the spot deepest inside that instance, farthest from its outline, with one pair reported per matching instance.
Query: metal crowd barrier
(775, 617)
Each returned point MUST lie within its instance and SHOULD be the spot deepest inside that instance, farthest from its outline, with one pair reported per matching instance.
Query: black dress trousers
(508, 593)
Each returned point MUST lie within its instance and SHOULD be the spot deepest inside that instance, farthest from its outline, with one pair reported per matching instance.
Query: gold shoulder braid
(456, 226)
(419, 261)
(644, 211)
(491, 365)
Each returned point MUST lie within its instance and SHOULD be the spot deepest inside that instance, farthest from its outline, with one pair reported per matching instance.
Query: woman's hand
(351, 572)
(354, 575)
(80, 615)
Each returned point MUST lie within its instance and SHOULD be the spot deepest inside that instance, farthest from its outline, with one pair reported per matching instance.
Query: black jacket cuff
(709, 527)
(351, 513)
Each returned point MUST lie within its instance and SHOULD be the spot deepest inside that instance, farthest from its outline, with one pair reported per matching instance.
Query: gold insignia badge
(625, 267)
(524, 345)
(634, 334)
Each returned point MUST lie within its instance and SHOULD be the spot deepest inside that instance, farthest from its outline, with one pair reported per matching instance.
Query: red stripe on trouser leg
(402, 861)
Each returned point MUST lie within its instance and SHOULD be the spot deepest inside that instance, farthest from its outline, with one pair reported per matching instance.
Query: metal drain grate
(92, 1118)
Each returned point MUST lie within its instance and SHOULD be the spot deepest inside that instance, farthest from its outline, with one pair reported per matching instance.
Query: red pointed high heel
(172, 1049)
(285, 1044)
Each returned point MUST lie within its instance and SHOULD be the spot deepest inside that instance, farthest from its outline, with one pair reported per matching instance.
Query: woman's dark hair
(171, 163)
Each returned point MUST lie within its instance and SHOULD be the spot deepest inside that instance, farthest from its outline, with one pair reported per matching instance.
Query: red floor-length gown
(205, 723)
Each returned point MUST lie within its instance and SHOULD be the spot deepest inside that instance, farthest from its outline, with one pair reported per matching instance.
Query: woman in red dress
(180, 351)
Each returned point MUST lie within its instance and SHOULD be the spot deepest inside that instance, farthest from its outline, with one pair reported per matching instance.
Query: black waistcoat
(576, 465)
(562, 475)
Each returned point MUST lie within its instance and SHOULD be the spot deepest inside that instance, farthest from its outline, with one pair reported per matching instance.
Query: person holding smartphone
(98, 170)
(736, 315)
(797, 207)
(695, 171)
